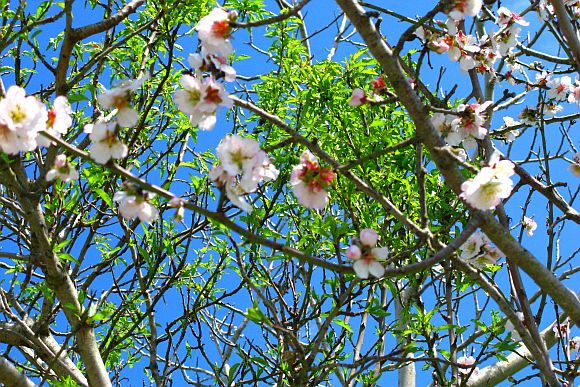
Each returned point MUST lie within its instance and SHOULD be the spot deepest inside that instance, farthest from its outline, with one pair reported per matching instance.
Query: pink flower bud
(369, 237)
(358, 97)
(353, 252)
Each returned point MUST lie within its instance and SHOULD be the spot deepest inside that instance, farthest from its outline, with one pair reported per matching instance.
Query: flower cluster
(464, 48)
(134, 203)
(243, 165)
(366, 256)
(492, 184)
(22, 118)
(62, 170)
(201, 95)
(311, 182)
(478, 251)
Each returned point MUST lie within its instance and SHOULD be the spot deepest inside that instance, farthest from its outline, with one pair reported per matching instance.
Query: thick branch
(10, 376)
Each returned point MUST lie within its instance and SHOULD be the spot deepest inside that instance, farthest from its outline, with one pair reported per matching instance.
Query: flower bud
(353, 252)
(369, 237)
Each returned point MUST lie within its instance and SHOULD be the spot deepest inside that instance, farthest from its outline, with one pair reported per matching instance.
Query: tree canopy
(312, 193)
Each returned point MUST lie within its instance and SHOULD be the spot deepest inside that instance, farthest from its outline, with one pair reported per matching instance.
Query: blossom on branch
(478, 251)
(214, 30)
(575, 167)
(58, 121)
(530, 225)
(21, 118)
(467, 363)
(62, 170)
(311, 182)
(134, 203)
(106, 145)
(462, 8)
(243, 166)
(200, 98)
(367, 258)
(492, 184)
(120, 98)
(468, 125)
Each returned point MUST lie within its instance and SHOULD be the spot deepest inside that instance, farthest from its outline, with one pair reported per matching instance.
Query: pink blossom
(358, 97)
(353, 252)
(467, 363)
(311, 182)
(530, 225)
(214, 30)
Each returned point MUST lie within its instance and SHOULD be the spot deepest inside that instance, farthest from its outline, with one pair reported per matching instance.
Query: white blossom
(200, 99)
(21, 118)
(134, 203)
(492, 184)
(367, 258)
(462, 8)
(530, 225)
(119, 98)
(62, 170)
(106, 145)
(559, 88)
(58, 121)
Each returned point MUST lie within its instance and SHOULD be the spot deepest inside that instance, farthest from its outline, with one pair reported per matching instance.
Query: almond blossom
(461, 48)
(492, 184)
(507, 17)
(200, 98)
(512, 134)
(574, 95)
(478, 251)
(467, 362)
(134, 203)
(62, 170)
(58, 121)
(214, 30)
(311, 182)
(575, 167)
(120, 98)
(468, 125)
(243, 165)
(530, 225)
(211, 63)
(462, 8)
(21, 118)
(559, 88)
(367, 258)
(106, 145)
